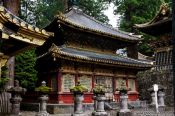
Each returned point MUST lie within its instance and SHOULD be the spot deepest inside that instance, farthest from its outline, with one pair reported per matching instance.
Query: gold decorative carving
(5, 36)
(162, 49)
(1, 26)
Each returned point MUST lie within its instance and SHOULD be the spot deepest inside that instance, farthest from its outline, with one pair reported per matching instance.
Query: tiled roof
(20, 29)
(117, 60)
(78, 19)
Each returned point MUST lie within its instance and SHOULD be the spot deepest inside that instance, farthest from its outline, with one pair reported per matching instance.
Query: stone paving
(27, 113)
(138, 112)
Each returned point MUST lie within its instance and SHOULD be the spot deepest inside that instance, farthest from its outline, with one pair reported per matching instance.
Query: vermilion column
(59, 82)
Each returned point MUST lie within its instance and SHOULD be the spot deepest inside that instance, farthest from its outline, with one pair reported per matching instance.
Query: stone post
(161, 95)
(124, 103)
(43, 99)
(16, 99)
(78, 104)
(15, 111)
(95, 103)
(99, 110)
(43, 106)
(153, 102)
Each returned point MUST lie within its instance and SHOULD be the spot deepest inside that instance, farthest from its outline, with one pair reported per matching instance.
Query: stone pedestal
(78, 105)
(43, 106)
(95, 103)
(15, 106)
(100, 106)
(161, 98)
(124, 103)
(16, 99)
(153, 102)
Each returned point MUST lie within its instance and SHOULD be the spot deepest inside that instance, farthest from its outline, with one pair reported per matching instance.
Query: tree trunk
(12, 5)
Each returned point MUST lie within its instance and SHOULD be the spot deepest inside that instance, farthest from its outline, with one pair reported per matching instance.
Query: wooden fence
(5, 105)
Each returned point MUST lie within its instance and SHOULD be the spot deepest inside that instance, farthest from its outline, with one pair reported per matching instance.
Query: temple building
(84, 49)
(16, 36)
(161, 28)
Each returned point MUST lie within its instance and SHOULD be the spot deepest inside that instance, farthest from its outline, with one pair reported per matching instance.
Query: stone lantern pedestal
(99, 109)
(43, 90)
(161, 102)
(78, 104)
(43, 106)
(15, 106)
(124, 103)
(124, 111)
(153, 102)
(16, 99)
(161, 96)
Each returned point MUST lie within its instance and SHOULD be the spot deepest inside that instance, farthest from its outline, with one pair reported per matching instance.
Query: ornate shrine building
(161, 28)
(84, 49)
(16, 36)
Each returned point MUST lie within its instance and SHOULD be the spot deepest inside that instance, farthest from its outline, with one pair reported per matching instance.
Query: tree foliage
(95, 9)
(24, 69)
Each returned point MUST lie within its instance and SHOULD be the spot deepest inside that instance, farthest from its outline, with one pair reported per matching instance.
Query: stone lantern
(123, 99)
(78, 92)
(161, 95)
(16, 99)
(99, 99)
(43, 90)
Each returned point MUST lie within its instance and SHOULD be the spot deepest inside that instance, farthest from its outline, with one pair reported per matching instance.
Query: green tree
(24, 69)
(37, 13)
(95, 9)
(45, 10)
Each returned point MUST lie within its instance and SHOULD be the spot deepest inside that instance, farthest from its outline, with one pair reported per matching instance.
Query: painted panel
(68, 81)
(119, 81)
(106, 81)
(86, 81)
(131, 84)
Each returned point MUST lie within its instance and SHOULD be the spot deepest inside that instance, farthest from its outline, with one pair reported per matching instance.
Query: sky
(113, 19)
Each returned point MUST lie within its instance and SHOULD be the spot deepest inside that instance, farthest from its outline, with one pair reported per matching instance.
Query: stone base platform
(61, 108)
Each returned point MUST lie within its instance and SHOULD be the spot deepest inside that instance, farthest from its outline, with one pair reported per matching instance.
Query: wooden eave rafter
(148, 25)
(25, 32)
(57, 53)
(61, 19)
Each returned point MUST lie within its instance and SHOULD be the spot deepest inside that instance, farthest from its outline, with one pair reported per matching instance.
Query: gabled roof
(75, 18)
(160, 24)
(14, 27)
(94, 57)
